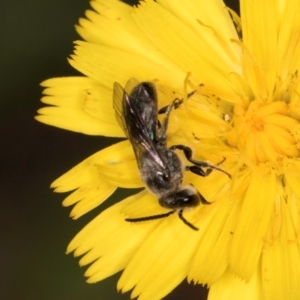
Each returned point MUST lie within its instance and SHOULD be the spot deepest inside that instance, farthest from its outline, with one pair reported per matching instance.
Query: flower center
(264, 131)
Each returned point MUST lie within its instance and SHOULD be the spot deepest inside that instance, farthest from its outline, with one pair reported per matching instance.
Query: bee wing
(133, 125)
(118, 96)
(130, 85)
(119, 99)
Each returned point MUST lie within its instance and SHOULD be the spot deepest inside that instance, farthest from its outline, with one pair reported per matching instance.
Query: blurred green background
(36, 38)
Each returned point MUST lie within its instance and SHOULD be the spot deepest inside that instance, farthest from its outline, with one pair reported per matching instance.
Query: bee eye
(187, 199)
(166, 177)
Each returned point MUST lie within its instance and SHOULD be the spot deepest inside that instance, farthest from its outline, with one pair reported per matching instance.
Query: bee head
(187, 197)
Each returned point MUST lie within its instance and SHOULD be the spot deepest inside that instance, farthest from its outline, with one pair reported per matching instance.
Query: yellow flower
(246, 108)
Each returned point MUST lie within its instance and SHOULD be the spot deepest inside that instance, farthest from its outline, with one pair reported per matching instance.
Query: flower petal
(219, 222)
(109, 24)
(81, 105)
(103, 165)
(112, 25)
(281, 260)
(230, 287)
(88, 196)
(254, 218)
(260, 39)
(293, 180)
(103, 244)
(212, 257)
(106, 65)
(182, 45)
(97, 177)
(214, 15)
(288, 49)
(162, 261)
(147, 205)
(122, 174)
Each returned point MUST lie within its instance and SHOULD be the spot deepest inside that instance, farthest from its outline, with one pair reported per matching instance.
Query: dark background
(36, 38)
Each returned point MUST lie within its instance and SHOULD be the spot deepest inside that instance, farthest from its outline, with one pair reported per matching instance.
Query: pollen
(263, 131)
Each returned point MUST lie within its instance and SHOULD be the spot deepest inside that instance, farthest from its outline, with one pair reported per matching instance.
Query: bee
(160, 167)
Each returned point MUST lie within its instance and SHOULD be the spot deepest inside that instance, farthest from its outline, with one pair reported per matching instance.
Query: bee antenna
(186, 222)
(149, 218)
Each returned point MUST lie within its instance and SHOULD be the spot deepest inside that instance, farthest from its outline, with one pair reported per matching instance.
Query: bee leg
(176, 103)
(202, 199)
(186, 222)
(162, 134)
(149, 218)
(201, 164)
(198, 170)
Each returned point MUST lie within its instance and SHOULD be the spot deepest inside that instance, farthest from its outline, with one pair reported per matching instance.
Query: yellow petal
(91, 168)
(80, 105)
(212, 14)
(217, 228)
(104, 244)
(254, 219)
(162, 261)
(106, 65)
(211, 258)
(293, 180)
(281, 261)
(230, 287)
(88, 197)
(122, 174)
(182, 45)
(147, 205)
(108, 24)
(260, 38)
(288, 50)
(112, 25)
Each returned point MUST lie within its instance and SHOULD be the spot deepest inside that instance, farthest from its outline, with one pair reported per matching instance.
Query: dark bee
(160, 167)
